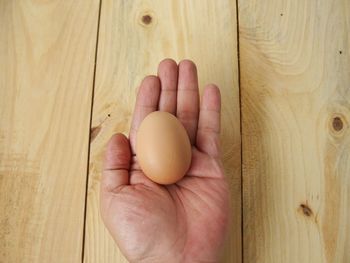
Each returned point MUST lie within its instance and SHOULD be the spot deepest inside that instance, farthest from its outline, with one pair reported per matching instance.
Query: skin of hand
(182, 222)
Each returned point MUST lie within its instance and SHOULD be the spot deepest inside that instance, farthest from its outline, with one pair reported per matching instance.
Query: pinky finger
(208, 134)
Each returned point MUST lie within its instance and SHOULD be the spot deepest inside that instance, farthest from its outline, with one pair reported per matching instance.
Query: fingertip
(187, 64)
(148, 93)
(211, 98)
(188, 71)
(212, 88)
(149, 85)
(117, 139)
(167, 63)
(118, 154)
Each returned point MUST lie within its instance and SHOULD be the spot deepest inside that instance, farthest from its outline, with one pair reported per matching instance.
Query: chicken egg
(163, 148)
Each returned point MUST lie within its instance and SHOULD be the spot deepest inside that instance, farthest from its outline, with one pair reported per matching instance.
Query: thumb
(116, 164)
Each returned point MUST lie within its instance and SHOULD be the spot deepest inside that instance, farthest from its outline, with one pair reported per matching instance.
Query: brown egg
(163, 148)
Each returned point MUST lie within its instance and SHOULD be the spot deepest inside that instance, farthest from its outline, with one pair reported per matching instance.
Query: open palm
(182, 222)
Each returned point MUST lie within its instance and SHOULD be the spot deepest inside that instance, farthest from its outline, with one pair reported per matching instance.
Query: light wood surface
(295, 77)
(46, 75)
(134, 37)
(294, 64)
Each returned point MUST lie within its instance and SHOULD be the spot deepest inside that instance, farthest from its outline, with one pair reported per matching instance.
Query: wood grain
(134, 37)
(46, 74)
(295, 79)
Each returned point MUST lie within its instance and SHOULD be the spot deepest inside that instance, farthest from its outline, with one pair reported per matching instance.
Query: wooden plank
(295, 77)
(131, 47)
(46, 75)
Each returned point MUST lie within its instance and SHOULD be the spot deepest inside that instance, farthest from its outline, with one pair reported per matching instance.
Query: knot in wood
(337, 123)
(146, 19)
(306, 210)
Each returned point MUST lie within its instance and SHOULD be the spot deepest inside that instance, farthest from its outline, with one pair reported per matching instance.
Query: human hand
(182, 222)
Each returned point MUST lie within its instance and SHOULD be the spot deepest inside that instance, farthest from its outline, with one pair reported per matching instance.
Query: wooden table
(69, 70)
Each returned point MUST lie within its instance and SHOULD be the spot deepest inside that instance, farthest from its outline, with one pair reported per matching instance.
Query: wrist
(165, 258)
(175, 260)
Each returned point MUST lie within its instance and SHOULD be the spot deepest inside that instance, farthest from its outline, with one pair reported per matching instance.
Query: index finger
(146, 102)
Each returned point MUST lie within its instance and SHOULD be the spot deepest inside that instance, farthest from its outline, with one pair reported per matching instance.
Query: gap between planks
(240, 128)
(90, 126)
